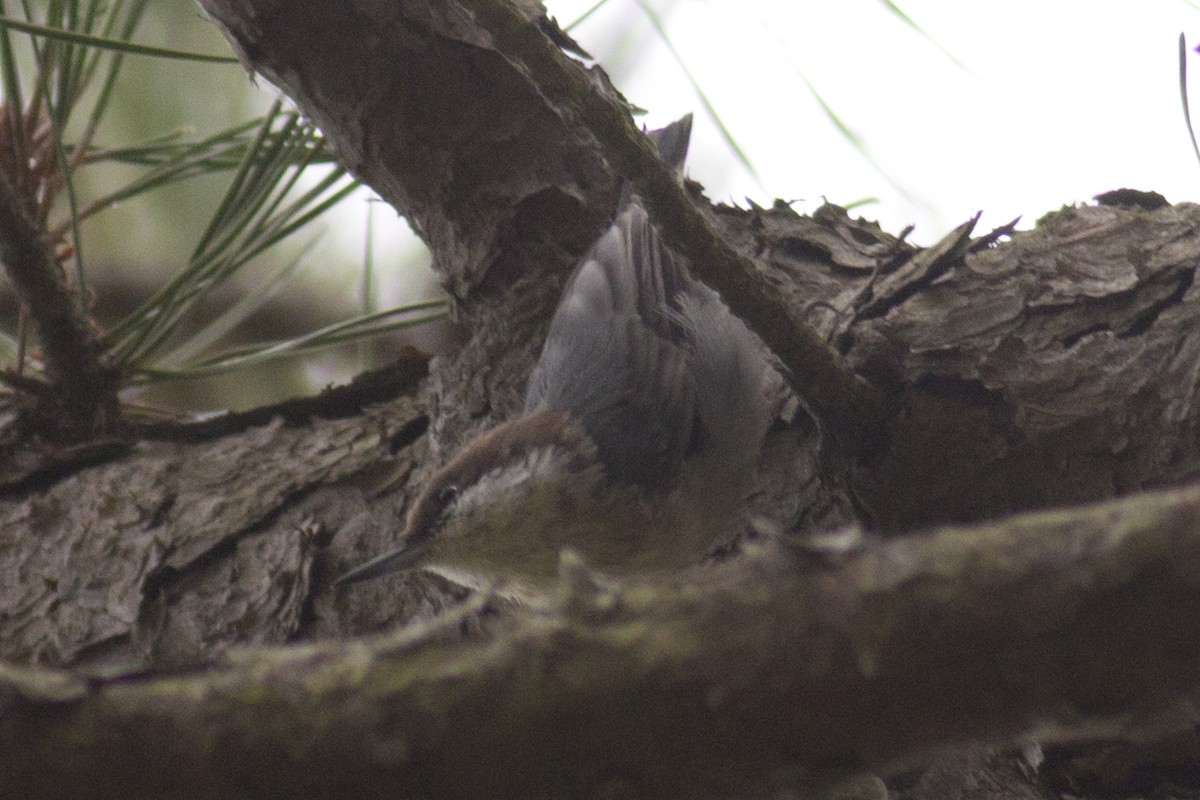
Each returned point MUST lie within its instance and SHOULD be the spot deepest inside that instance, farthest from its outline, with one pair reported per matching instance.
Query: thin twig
(84, 387)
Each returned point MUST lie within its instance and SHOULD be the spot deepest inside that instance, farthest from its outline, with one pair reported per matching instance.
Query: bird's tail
(672, 142)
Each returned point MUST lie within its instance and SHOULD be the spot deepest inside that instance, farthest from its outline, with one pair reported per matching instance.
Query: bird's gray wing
(617, 353)
(617, 360)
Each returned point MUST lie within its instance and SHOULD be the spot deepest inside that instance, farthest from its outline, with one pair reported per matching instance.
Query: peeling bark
(1018, 371)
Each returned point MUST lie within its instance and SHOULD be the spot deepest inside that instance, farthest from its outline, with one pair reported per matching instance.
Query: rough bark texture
(1043, 368)
(745, 678)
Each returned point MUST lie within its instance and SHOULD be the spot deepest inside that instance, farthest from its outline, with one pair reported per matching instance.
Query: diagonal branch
(427, 153)
(846, 403)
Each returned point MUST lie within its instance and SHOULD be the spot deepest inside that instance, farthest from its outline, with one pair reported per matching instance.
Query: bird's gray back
(617, 359)
(651, 362)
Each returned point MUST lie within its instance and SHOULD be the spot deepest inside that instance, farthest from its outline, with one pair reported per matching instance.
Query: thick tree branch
(761, 673)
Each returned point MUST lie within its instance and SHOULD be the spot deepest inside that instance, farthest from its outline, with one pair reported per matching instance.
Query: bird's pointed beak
(407, 556)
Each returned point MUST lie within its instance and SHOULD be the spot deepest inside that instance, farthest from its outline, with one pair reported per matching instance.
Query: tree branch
(1054, 367)
(82, 397)
(849, 406)
(781, 667)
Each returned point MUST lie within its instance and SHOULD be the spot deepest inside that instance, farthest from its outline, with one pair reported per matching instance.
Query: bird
(642, 424)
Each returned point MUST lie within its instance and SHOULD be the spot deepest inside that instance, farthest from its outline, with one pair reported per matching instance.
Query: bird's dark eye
(447, 495)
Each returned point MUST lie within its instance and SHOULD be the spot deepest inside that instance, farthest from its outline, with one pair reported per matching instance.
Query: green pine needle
(1183, 94)
(262, 206)
(907, 20)
(74, 37)
(709, 108)
(338, 334)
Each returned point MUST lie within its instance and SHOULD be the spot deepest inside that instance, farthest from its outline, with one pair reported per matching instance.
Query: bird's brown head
(476, 513)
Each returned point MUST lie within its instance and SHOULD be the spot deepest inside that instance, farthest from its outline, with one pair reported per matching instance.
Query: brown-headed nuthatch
(643, 422)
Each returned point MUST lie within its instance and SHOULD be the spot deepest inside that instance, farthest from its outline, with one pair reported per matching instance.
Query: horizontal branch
(784, 665)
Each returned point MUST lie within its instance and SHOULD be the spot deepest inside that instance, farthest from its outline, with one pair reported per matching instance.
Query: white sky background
(1059, 100)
